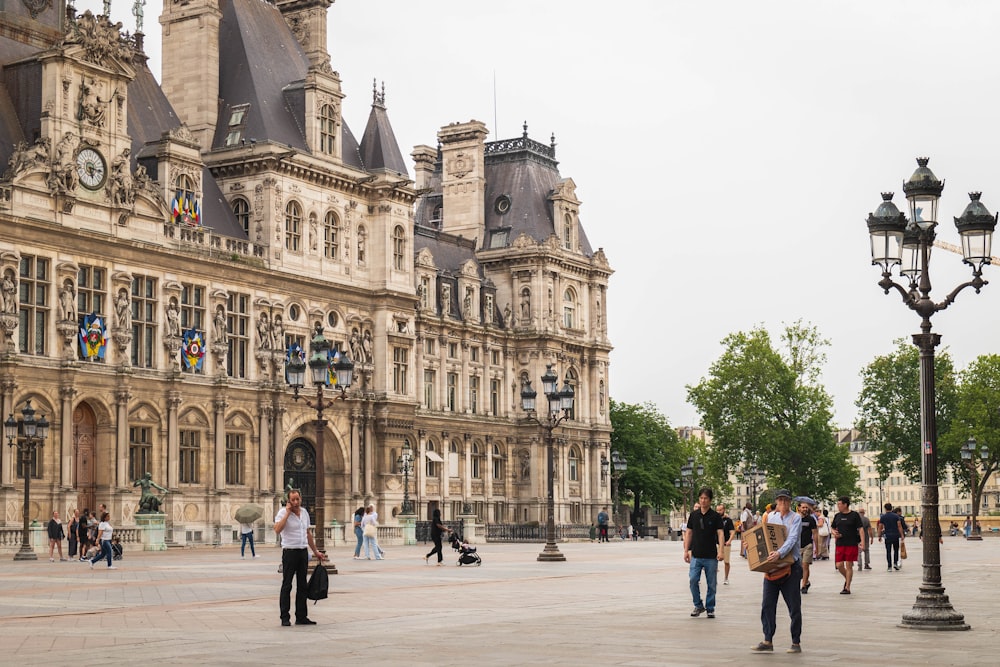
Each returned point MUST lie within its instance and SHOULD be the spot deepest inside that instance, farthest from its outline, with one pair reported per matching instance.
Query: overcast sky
(726, 153)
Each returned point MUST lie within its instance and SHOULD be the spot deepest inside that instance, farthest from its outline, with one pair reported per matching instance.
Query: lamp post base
(551, 553)
(933, 611)
(25, 553)
(974, 538)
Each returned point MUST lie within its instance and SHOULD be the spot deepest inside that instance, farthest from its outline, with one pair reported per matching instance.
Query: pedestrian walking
(781, 582)
(823, 522)
(728, 532)
(890, 527)
(73, 534)
(847, 529)
(437, 530)
(809, 533)
(602, 525)
(967, 527)
(869, 538)
(703, 542)
(359, 535)
(104, 532)
(246, 535)
(292, 524)
(56, 536)
(83, 534)
(378, 547)
(369, 529)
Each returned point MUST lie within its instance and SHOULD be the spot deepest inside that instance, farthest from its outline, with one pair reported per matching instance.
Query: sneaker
(895, 567)
(62, 560)
(698, 611)
(794, 648)
(256, 556)
(243, 557)
(711, 614)
(112, 567)
(91, 566)
(845, 592)
(285, 623)
(867, 567)
(763, 647)
(725, 583)
(52, 560)
(889, 569)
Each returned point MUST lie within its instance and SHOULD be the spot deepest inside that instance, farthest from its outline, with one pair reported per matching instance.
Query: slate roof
(379, 148)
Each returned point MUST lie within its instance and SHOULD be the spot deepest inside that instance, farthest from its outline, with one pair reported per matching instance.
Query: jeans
(247, 537)
(711, 568)
(293, 564)
(361, 538)
(105, 551)
(789, 589)
(892, 550)
(371, 548)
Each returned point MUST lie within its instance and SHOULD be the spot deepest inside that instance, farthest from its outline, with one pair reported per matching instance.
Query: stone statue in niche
(173, 319)
(123, 310)
(67, 302)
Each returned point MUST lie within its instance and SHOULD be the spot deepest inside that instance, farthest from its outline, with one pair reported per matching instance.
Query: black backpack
(319, 584)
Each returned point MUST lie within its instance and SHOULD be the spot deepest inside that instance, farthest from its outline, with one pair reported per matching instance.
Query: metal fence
(424, 529)
(508, 532)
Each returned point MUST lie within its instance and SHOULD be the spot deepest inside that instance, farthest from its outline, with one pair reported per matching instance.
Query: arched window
(185, 205)
(331, 236)
(241, 209)
(293, 227)
(573, 380)
(453, 459)
(574, 464)
(398, 246)
(569, 309)
(568, 232)
(327, 129)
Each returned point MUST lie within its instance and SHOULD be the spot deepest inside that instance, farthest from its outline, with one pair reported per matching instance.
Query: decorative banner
(193, 349)
(93, 337)
(295, 352)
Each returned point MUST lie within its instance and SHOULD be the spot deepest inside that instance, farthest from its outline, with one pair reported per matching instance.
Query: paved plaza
(608, 604)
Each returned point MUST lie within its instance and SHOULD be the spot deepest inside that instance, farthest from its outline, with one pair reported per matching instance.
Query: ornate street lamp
(690, 474)
(327, 367)
(620, 465)
(32, 437)
(894, 240)
(968, 457)
(560, 406)
(755, 478)
(405, 463)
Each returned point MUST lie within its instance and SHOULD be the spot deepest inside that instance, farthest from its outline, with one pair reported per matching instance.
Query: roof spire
(525, 126)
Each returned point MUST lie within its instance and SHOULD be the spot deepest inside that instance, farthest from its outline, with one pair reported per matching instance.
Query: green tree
(976, 416)
(889, 408)
(644, 436)
(765, 407)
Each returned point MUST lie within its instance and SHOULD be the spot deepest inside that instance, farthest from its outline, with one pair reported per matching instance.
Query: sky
(727, 153)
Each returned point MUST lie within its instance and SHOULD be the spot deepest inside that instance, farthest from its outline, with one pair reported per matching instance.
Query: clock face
(90, 168)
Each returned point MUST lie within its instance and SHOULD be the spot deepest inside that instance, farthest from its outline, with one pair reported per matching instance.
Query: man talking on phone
(292, 524)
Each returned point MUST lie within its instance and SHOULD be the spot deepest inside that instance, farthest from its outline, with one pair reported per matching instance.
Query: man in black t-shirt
(890, 525)
(807, 538)
(703, 541)
(848, 530)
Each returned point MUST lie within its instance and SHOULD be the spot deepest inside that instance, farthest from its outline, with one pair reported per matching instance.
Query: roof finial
(525, 126)
(378, 99)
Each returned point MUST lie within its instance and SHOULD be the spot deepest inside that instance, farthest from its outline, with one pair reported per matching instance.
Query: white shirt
(246, 528)
(295, 534)
(105, 530)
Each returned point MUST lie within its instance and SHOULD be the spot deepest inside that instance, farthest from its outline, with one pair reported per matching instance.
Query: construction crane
(951, 247)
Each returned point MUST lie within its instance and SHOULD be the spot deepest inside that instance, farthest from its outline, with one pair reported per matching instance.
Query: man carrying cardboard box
(784, 583)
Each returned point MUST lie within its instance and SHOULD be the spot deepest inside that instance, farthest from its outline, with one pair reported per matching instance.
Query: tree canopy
(766, 407)
(643, 435)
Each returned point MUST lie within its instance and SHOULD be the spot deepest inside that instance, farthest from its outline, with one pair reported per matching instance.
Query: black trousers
(603, 528)
(789, 589)
(294, 563)
(438, 547)
(892, 550)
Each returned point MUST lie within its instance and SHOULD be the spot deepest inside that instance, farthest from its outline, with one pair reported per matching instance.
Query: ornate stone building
(163, 244)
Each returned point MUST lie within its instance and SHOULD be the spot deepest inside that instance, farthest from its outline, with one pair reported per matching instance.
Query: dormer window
(236, 124)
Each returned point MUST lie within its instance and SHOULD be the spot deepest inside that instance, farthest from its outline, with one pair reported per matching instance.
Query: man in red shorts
(848, 529)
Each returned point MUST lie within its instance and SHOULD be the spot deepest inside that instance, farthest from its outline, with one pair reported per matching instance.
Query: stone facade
(200, 231)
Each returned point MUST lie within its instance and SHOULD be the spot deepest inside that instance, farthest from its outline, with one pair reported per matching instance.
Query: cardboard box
(761, 540)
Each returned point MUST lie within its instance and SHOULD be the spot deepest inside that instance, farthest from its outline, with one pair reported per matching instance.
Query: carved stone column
(122, 397)
(66, 395)
(220, 404)
(173, 438)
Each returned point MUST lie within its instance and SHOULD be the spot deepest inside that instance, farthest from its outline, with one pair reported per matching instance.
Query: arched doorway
(84, 451)
(300, 470)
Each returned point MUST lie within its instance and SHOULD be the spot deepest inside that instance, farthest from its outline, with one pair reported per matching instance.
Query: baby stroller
(116, 549)
(466, 553)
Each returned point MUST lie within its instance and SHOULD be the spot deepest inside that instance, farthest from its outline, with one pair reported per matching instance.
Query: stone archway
(300, 470)
(84, 455)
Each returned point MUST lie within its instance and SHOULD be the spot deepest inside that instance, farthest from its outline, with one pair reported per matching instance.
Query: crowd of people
(89, 534)
(811, 534)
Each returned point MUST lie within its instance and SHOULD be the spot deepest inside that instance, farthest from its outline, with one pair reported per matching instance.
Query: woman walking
(104, 531)
(369, 529)
(437, 529)
(74, 534)
(359, 514)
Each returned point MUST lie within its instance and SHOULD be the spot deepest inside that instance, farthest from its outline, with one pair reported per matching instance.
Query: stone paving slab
(608, 604)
